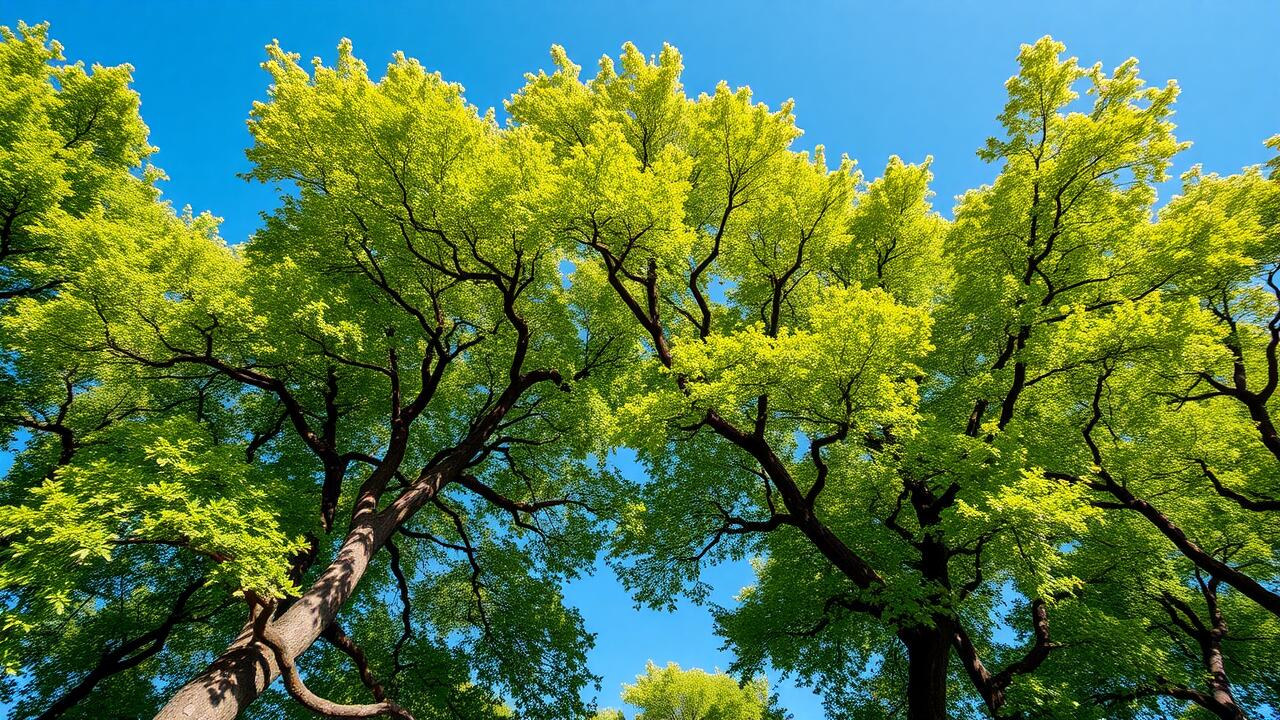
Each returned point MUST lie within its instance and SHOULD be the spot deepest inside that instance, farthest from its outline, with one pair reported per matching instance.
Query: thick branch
(267, 635)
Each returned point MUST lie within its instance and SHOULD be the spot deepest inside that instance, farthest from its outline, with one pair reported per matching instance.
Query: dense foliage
(670, 693)
(1021, 463)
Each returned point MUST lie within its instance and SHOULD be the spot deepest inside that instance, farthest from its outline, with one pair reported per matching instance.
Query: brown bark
(265, 633)
(1262, 419)
(928, 655)
(1222, 701)
(247, 668)
(237, 677)
(1107, 483)
(339, 639)
(991, 687)
(1247, 586)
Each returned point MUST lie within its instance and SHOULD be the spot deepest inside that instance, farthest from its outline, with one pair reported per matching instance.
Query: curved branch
(406, 609)
(340, 640)
(1242, 500)
(267, 635)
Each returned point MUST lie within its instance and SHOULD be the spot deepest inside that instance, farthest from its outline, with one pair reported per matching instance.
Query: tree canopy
(1016, 463)
(670, 693)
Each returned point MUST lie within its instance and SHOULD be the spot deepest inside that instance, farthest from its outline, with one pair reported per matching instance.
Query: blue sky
(869, 79)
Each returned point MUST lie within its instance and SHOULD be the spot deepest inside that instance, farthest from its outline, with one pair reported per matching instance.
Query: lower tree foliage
(1017, 464)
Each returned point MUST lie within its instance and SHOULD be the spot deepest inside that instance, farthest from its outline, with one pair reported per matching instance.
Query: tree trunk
(928, 655)
(245, 670)
(1211, 648)
(1219, 686)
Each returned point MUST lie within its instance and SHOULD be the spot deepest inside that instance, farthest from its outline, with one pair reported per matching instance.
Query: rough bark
(265, 633)
(245, 670)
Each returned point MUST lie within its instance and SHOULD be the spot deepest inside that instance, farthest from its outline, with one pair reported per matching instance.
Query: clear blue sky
(906, 78)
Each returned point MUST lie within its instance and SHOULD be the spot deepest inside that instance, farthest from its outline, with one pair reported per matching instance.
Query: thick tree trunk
(245, 670)
(928, 655)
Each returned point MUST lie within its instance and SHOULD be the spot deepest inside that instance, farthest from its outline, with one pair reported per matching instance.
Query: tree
(876, 402)
(69, 141)
(809, 349)
(669, 693)
(417, 378)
